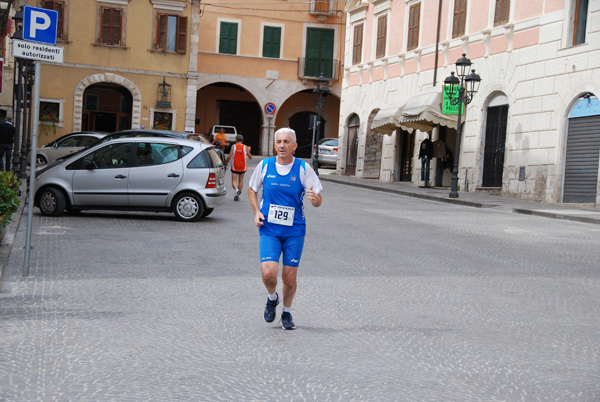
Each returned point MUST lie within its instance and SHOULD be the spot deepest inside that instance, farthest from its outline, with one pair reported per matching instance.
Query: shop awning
(420, 112)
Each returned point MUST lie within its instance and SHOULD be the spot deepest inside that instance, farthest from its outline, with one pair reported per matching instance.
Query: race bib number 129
(281, 215)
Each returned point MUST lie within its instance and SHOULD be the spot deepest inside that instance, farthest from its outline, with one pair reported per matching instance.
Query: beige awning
(385, 121)
(420, 112)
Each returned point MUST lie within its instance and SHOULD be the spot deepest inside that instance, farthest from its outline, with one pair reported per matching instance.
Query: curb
(556, 216)
(11, 230)
(410, 194)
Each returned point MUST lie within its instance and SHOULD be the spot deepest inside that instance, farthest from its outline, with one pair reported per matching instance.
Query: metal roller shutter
(581, 165)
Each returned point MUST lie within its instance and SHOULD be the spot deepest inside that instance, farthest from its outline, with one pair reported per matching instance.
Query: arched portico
(80, 88)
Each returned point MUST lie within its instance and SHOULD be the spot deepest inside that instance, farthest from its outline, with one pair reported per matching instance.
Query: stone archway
(80, 88)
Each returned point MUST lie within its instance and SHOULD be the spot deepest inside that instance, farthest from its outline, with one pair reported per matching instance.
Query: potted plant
(9, 199)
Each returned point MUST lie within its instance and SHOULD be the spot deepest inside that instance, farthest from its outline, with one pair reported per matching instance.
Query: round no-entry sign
(270, 108)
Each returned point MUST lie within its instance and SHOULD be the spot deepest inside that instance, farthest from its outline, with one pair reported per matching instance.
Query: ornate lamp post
(320, 94)
(466, 86)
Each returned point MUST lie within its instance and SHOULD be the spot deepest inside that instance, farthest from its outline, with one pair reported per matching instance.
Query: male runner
(239, 153)
(285, 181)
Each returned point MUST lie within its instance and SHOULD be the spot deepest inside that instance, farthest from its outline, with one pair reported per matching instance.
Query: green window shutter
(228, 39)
(319, 52)
(271, 42)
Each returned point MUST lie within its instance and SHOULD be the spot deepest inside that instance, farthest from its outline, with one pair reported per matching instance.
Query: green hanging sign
(447, 106)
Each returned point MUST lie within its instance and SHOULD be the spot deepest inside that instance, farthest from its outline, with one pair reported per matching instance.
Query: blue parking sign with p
(39, 25)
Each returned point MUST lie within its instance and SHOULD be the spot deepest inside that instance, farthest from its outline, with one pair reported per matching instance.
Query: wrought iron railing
(322, 7)
(311, 67)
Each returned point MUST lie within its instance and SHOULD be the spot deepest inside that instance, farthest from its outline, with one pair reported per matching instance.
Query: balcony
(322, 9)
(310, 68)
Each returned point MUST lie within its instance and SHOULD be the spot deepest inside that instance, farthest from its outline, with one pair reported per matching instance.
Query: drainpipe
(437, 42)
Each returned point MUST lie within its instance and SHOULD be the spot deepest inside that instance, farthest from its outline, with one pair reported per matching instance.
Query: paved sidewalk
(472, 199)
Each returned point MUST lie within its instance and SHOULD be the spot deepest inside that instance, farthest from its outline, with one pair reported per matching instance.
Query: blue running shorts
(271, 248)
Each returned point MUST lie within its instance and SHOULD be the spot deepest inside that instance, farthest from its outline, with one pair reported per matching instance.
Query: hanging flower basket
(50, 120)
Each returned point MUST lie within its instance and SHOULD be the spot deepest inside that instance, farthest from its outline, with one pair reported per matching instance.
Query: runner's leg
(290, 284)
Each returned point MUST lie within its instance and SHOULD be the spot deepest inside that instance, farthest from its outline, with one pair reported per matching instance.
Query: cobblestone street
(399, 299)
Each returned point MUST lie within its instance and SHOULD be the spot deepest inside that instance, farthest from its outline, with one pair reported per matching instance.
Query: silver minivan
(144, 174)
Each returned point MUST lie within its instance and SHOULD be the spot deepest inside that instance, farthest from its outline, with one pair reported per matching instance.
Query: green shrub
(9, 196)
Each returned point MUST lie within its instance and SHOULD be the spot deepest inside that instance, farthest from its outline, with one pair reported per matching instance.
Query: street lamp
(466, 86)
(320, 94)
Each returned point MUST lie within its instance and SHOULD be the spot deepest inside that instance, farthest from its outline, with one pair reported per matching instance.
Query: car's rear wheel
(188, 207)
(40, 160)
(52, 202)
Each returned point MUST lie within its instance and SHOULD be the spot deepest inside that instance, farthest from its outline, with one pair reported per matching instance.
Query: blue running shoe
(286, 321)
(270, 309)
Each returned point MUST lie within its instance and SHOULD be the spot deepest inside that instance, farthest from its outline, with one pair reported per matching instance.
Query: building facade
(187, 65)
(257, 66)
(125, 66)
(7, 68)
(531, 130)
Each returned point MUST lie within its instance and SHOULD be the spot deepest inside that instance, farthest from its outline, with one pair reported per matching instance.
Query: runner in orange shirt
(239, 153)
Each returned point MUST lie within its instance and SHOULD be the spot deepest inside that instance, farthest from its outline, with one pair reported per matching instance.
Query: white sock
(273, 297)
(287, 309)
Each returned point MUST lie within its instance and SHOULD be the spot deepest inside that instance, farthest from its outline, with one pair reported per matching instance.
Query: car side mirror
(55, 145)
(92, 165)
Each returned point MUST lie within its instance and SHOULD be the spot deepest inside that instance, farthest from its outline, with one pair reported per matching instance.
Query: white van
(230, 133)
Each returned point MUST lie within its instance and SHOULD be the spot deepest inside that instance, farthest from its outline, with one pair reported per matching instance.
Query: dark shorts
(233, 171)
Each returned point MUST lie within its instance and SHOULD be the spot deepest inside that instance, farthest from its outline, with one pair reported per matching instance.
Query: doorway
(495, 143)
(302, 124)
(406, 146)
(352, 145)
(107, 108)
(245, 117)
(582, 159)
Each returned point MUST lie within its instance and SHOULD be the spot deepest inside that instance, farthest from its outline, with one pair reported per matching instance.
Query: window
(50, 112)
(460, 16)
(87, 141)
(91, 102)
(60, 7)
(171, 33)
(357, 44)
(414, 16)
(147, 154)
(501, 15)
(321, 6)
(68, 142)
(111, 23)
(228, 38)
(108, 157)
(381, 36)
(163, 121)
(580, 21)
(271, 42)
(319, 52)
